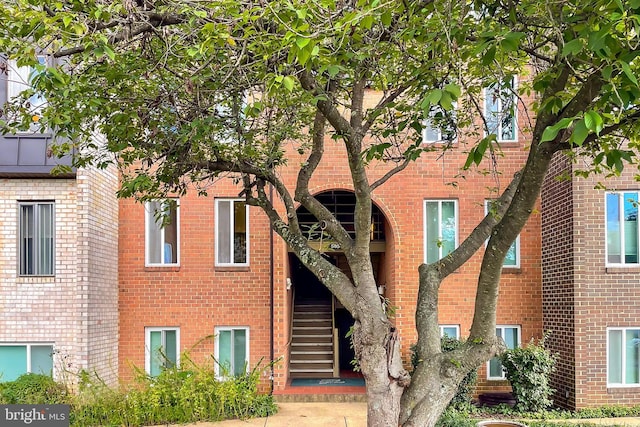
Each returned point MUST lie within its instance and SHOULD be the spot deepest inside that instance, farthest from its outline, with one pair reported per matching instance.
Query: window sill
(27, 134)
(232, 268)
(35, 279)
(152, 268)
(511, 270)
(623, 388)
(630, 269)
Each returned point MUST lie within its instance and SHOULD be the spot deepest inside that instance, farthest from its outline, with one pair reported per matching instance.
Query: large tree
(181, 92)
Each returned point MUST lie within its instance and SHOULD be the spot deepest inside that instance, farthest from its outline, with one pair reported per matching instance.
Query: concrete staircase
(311, 342)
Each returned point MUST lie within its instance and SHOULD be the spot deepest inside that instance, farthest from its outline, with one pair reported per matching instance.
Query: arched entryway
(320, 346)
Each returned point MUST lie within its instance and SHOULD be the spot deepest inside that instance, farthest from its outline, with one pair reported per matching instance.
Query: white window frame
(216, 350)
(36, 238)
(456, 327)
(424, 225)
(515, 243)
(514, 87)
(28, 346)
(519, 344)
(19, 80)
(620, 385)
(428, 125)
(621, 199)
(231, 220)
(147, 344)
(149, 216)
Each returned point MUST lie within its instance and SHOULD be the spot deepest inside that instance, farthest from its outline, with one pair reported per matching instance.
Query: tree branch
(155, 20)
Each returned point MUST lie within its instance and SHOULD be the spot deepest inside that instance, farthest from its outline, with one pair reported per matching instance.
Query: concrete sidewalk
(312, 414)
(352, 414)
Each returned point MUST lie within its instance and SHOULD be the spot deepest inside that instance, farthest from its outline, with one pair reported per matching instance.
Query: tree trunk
(378, 352)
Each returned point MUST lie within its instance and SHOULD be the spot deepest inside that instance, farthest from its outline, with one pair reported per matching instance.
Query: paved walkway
(332, 414)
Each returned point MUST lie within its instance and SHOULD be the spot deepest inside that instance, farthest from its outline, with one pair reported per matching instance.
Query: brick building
(89, 282)
(232, 282)
(591, 286)
(58, 259)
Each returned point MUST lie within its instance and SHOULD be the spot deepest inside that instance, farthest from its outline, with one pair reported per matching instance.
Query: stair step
(313, 306)
(313, 321)
(310, 330)
(315, 370)
(311, 336)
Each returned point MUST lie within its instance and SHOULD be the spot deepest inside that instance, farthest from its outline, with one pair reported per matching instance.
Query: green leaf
(511, 41)
(301, 42)
(288, 83)
(551, 132)
(446, 101)
(333, 70)
(66, 20)
(303, 56)
(489, 56)
(386, 18)
(573, 47)
(432, 99)
(580, 133)
(367, 22)
(454, 90)
(109, 52)
(593, 121)
(628, 72)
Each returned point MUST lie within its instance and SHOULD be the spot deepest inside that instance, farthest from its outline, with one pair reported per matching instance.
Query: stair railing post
(336, 347)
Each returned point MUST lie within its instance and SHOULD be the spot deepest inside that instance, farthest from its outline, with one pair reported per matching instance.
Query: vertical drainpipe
(271, 293)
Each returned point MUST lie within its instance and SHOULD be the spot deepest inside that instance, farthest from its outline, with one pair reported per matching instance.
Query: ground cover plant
(189, 393)
(468, 417)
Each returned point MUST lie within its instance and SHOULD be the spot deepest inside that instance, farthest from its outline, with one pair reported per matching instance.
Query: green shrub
(184, 394)
(33, 389)
(463, 396)
(528, 369)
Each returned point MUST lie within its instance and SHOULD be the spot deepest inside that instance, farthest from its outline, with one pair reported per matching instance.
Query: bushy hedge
(33, 389)
(528, 369)
(179, 395)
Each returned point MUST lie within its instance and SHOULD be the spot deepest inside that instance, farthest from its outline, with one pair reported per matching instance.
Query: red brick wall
(197, 296)
(605, 296)
(582, 296)
(558, 277)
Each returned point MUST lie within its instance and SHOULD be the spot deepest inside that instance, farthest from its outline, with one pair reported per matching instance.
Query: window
(232, 233)
(36, 238)
(18, 359)
(512, 259)
(19, 79)
(511, 337)
(451, 331)
(231, 351)
(162, 349)
(439, 126)
(162, 236)
(623, 356)
(440, 229)
(622, 228)
(500, 110)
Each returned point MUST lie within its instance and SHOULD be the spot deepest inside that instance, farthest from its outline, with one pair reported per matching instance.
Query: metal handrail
(292, 306)
(336, 347)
